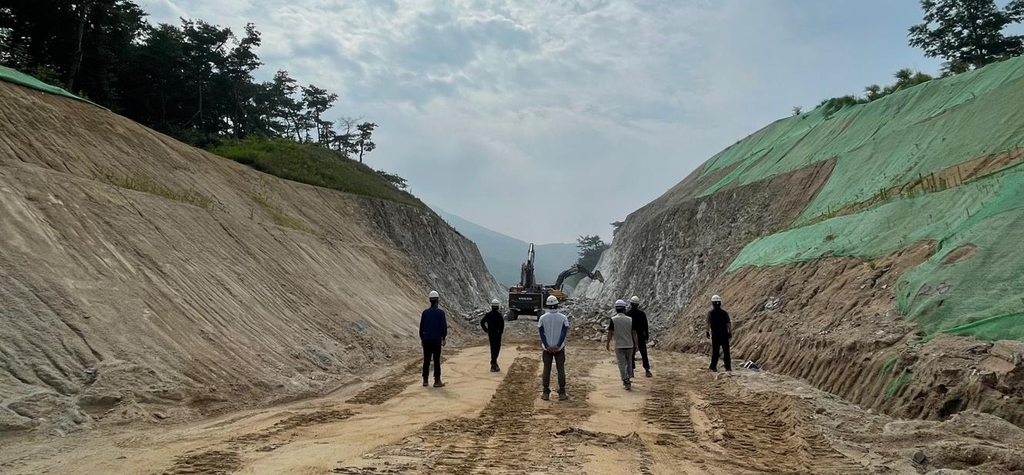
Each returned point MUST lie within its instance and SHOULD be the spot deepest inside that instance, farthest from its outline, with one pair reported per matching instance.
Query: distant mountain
(505, 254)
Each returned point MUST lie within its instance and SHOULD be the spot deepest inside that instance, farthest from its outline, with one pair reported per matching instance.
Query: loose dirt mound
(144, 279)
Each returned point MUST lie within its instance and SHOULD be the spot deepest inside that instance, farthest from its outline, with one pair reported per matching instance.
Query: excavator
(556, 289)
(527, 298)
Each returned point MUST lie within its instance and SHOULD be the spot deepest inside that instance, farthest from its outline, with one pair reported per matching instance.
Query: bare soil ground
(684, 420)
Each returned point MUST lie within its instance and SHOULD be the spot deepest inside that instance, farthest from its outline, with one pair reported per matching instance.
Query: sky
(549, 119)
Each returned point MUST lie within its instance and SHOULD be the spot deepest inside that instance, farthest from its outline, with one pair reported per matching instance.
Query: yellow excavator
(556, 289)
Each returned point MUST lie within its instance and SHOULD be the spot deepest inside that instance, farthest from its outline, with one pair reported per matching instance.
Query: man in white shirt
(553, 327)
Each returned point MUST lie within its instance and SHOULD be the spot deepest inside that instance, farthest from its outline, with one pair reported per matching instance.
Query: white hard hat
(495, 303)
(434, 295)
(716, 298)
(620, 303)
(634, 299)
(552, 300)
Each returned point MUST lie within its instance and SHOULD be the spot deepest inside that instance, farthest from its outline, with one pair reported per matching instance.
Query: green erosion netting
(12, 76)
(889, 142)
(981, 294)
(893, 142)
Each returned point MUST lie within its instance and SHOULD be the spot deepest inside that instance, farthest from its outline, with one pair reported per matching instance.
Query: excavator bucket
(598, 277)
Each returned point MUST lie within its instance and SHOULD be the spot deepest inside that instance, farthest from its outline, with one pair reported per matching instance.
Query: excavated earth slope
(144, 279)
(872, 250)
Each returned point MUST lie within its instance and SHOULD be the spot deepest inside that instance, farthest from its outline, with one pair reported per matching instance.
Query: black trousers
(720, 343)
(432, 349)
(642, 349)
(495, 339)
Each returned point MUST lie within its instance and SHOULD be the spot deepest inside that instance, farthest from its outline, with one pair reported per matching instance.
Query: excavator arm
(576, 269)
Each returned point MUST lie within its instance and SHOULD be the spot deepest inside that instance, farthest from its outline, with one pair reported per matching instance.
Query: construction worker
(494, 325)
(433, 335)
(642, 330)
(719, 329)
(553, 327)
(620, 329)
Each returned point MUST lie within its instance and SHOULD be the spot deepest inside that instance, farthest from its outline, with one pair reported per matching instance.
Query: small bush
(146, 184)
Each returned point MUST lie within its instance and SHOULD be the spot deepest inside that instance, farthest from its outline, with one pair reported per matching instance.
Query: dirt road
(684, 420)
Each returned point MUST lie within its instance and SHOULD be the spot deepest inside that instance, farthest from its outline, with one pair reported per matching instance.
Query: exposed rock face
(137, 273)
(668, 249)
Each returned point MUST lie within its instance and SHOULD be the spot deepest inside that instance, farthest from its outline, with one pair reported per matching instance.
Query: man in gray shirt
(620, 329)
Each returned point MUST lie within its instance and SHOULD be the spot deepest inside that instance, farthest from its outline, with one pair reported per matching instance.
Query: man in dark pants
(719, 328)
(642, 330)
(553, 327)
(433, 332)
(494, 325)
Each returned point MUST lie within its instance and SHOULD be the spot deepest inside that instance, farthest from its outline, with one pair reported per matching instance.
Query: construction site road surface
(684, 420)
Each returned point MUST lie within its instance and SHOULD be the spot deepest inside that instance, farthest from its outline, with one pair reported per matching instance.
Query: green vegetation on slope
(313, 165)
(146, 184)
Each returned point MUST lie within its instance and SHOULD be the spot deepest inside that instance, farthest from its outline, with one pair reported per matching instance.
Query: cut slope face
(788, 211)
(138, 273)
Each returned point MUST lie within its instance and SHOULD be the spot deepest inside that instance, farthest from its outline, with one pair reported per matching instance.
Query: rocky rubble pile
(588, 320)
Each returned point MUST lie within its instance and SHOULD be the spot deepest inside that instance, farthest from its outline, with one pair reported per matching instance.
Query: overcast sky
(548, 119)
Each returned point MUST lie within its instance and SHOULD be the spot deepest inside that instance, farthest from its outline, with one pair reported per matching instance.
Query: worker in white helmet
(719, 329)
(642, 329)
(494, 325)
(553, 327)
(620, 330)
(433, 335)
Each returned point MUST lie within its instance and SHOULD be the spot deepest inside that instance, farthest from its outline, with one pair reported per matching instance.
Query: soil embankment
(142, 279)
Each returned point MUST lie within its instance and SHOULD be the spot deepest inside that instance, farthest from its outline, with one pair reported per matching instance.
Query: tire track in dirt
(391, 387)
(460, 445)
(668, 407)
(211, 462)
(226, 459)
(773, 434)
(514, 433)
(395, 384)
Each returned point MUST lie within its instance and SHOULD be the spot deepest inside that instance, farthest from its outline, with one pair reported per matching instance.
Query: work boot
(425, 383)
(649, 375)
(495, 368)
(563, 397)
(627, 385)
(545, 396)
(438, 384)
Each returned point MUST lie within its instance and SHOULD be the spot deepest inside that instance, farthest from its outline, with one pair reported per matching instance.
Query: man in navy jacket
(433, 332)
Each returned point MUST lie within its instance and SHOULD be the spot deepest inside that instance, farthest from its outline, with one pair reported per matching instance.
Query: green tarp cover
(12, 76)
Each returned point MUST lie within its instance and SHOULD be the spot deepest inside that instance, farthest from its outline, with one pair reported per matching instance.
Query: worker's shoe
(495, 368)
(627, 385)
(425, 383)
(648, 374)
(545, 396)
(563, 397)
(438, 384)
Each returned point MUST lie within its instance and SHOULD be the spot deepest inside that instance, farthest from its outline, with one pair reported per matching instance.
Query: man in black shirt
(719, 328)
(642, 330)
(494, 325)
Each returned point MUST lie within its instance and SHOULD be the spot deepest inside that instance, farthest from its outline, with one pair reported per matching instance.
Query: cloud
(547, 119)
